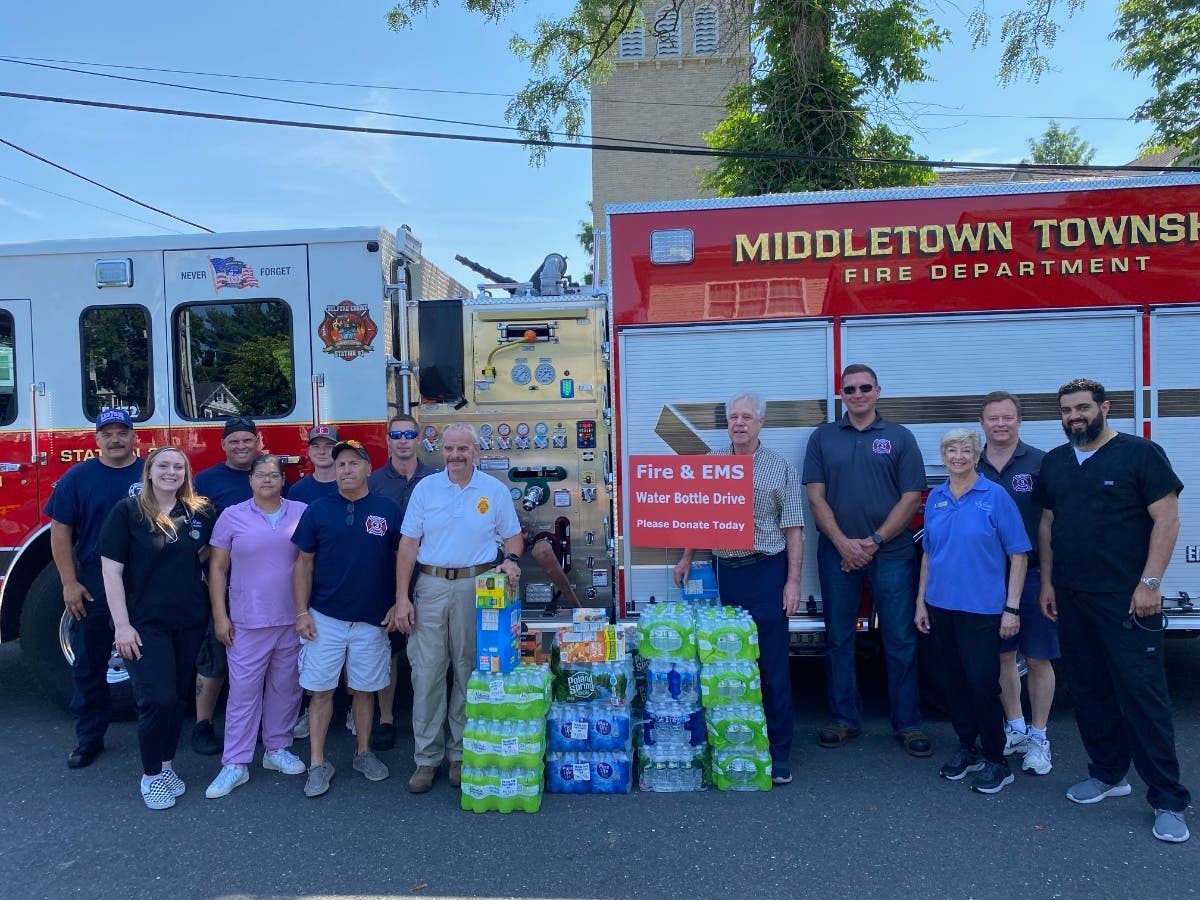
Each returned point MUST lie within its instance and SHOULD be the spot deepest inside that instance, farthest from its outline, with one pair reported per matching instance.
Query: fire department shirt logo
(347, 330)
(229, 272)
(483, 506)
(1023, 483)
(376, 525)
(881, 445)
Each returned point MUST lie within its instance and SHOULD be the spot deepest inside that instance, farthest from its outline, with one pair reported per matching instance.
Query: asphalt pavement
(864, 821)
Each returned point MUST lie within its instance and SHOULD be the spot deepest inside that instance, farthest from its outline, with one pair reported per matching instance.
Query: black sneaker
(993, 778)
(383, 736)
(962, 762)
(204, 739)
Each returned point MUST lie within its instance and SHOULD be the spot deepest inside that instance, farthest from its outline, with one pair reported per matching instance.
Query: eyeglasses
(267, 476)
(350, 513)
(408, 435)
(861, 388)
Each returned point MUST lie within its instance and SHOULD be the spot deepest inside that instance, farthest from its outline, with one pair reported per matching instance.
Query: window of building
(116, 366)
(705, 32)
(234, 359)
(666, 32)
(632, 44)
(8, 369)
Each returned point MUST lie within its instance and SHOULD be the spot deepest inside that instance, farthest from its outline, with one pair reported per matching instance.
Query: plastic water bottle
(701, 584)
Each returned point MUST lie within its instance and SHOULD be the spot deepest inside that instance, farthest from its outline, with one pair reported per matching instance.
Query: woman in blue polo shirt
(973, 530)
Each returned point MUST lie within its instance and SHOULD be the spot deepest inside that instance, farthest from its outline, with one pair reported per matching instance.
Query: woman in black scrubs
(151, 549)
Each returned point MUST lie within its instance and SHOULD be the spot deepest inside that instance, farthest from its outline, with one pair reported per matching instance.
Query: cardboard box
(493, 591)
(604, 645)
(497, 638)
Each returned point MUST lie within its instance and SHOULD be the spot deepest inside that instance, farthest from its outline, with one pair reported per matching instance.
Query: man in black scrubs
(1110, 520)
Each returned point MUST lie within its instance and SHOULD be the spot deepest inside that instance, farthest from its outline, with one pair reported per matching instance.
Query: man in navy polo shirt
(81, 502)
(865, 476)
(323, 480)
(344, 582)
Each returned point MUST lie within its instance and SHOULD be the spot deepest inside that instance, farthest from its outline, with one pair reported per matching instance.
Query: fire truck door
(20, 455)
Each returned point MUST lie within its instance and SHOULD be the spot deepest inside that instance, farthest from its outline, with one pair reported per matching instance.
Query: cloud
(19, 210)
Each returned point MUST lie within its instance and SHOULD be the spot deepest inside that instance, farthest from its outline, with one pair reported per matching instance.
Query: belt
(455, 574)
(737, 562)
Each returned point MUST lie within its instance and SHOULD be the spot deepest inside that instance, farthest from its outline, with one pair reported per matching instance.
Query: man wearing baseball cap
(343, 584)
(81, 501)
(322, 482)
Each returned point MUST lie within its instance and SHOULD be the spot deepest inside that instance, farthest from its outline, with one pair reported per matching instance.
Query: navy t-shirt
(84, 497)
(309, 490)
(225, 486)
(354, 542)
(162, 579)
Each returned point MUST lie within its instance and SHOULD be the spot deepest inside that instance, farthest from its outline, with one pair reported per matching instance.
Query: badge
(482, 505)
(940, 505)
(194, 534)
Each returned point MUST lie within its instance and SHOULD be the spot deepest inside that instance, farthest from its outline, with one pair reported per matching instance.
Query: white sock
(1037, 734)
(1018, 725)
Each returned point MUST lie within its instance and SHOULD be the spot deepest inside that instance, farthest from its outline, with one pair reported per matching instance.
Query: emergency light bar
(672, 247)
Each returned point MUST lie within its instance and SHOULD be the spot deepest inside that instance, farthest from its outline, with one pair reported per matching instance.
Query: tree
(1162, 37)
(824, 63)
(1058, 145)
(587, 240)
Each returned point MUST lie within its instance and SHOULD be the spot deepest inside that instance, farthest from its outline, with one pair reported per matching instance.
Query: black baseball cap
(238, 423)
(354, 446)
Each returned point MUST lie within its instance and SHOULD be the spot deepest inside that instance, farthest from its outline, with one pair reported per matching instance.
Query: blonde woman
(151, 548)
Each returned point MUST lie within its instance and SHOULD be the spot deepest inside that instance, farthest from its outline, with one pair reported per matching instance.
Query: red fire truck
(947, 292)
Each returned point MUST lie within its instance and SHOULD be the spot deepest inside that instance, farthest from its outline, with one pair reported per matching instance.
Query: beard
(1092, 431)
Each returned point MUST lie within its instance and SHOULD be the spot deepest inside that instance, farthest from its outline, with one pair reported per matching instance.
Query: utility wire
(660, 151)
(51, 162)
(393, 87)
(92, 205)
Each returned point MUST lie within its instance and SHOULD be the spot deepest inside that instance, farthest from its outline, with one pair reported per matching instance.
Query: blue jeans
(892, 586)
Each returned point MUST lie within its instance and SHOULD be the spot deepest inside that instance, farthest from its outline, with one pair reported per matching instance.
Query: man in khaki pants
(453, 523)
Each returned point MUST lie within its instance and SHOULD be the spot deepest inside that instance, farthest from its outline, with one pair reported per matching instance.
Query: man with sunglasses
(343, 584)
(1110, 518)
(865, 476)
(396, 479)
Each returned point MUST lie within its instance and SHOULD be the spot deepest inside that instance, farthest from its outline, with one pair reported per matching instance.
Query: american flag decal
(232, 273)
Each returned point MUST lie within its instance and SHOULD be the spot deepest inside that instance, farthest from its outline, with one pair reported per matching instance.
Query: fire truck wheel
(46, 647)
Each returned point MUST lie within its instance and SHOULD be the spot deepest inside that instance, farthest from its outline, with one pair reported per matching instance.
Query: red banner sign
(691, 502)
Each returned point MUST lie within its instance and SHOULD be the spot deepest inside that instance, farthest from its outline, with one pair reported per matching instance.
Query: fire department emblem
(483, 506)
(347, 330)
(376, 525)
(1023, 483)
(881, 445)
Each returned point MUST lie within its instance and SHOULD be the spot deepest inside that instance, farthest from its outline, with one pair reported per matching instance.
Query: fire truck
(947, 292)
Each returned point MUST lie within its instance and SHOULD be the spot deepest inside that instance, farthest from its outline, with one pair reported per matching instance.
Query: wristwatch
(1154, 583)
(512, 557)
(877, 538)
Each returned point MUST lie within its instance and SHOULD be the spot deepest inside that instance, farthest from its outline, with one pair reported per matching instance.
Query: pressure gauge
(522, 430)
(541, 429)
(544, 373)
(521, 373)
(485, 431)
(504, 429)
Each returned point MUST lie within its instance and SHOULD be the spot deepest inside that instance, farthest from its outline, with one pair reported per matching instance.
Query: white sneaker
(1037, 757)
(300, 729)
(174, 782)
(1015, 741)
(283, 760)
(350, 722)
(158, 794)
(227, 779)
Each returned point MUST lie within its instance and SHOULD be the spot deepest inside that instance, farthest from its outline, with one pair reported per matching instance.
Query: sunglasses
(408, 435)
(239, 420)
(350, 513)
(861, 388)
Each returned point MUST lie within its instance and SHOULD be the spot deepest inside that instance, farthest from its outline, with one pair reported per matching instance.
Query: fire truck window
(234, 359)
(116, 360)
(8, 370)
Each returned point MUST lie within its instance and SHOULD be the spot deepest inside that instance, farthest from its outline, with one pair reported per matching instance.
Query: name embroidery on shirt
(1023, 483)
(483, 506)
(881, 445)
(377, 526)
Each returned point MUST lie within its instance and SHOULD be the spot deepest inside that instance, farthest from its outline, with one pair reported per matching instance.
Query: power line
(92, 205)
(50, 162)
(507, 96)
(661, 151)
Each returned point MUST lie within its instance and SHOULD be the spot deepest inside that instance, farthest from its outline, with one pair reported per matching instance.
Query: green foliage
(1162, 38)
(587, 240)
(1061, 146)
(1027, 33)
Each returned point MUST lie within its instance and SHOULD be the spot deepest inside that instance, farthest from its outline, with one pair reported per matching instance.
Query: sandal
(835, 734)
(916, 743)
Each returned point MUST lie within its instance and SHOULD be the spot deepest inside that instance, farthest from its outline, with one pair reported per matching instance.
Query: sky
(482, 200)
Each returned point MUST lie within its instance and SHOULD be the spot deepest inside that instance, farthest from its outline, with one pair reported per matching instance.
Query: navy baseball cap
(113, 417)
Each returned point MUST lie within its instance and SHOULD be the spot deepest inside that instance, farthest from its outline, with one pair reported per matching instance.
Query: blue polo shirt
(225, 486)
(309, 490)
(1019, 477)
(84, 497)
(864, 473)
(968, 542)
(354, 568)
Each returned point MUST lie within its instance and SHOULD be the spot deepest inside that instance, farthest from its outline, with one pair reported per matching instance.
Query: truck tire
(47, 651)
